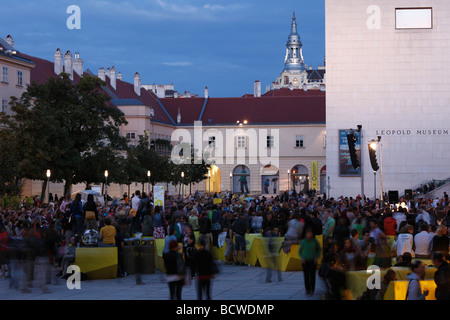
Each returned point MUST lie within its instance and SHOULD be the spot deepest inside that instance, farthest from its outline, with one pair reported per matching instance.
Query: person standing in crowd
(159, 222)
(309, 253)
(175, 270)
(91, 213)
(440, 242)
(441, 277)
(405, 241)
(76, 213)
(4, 253)
(205, 229)
(170, 237)
(422, 243)
(240, 228)
(203, 265)
(414, 291)
(135, 205)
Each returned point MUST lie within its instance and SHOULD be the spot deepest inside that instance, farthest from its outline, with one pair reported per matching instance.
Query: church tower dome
(293, 61)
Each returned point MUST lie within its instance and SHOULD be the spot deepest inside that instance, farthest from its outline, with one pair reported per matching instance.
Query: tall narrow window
(5, 105)
(19, 78)
(4, 74)
(270, 141)
(212, 142)
(299, 143)
(241, 141)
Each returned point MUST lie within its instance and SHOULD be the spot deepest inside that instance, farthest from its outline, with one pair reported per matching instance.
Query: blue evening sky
(223, 44)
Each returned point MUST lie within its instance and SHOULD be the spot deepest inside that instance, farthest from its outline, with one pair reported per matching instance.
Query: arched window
(286, 80)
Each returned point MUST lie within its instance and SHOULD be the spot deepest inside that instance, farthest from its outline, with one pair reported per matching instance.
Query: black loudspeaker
(408, 194)
(393, 197)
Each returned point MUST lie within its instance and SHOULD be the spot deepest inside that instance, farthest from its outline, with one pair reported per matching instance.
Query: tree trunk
(44, 190)
(67, 187)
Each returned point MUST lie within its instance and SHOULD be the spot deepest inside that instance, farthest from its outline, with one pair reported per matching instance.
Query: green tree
(57, 123)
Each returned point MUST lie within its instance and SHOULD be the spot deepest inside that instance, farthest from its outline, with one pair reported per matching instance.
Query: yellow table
(291, 261)
(357, 280)
(97, 263)
(397, 290)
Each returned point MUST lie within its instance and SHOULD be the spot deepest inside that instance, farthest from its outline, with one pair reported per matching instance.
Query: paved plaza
(233, 283)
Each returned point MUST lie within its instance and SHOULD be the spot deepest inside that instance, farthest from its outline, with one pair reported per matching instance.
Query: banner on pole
(314, 175)
(159, 196)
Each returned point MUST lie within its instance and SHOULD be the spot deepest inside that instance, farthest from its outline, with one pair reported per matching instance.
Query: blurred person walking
(175, 270)
(204, 268)
(309, 253)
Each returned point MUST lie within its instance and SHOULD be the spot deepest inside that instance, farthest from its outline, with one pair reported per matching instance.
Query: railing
(428, 186)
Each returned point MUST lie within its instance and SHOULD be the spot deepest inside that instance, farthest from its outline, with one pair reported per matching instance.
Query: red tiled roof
(266, 110)
(190, 108)
(124, 90)
(285, 92)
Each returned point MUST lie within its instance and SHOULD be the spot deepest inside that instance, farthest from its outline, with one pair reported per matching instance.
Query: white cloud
(178, 64)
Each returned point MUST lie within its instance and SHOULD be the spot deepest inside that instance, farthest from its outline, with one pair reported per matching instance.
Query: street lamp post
(149, 175)
(231, 182)
(49, 173)
(182, 182)
(106, 188)
(381, 169)
(289, 179)
(373, 146)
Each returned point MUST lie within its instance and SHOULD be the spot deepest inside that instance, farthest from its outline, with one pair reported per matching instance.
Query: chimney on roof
(119, 76)
(10, 40)
(101, 74)
(257, 89)
(112, 77)
(305, 87)
(78, 64)
(179, 116)
(108, 73)
(137, 83)
(58, 63)
(206, 93)
(68, 64)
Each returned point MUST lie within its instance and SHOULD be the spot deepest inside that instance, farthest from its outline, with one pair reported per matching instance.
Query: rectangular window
(212, 142)
(5, 74)
(413, 18)
(241, 141)
(19, 78)
(4, 105)
(131, 136)
(270, 141)
(299, 142)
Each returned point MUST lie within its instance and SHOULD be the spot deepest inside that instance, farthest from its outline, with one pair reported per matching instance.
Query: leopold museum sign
(412, 132)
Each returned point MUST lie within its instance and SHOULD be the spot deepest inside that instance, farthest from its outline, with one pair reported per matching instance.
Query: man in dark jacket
(205, 229)
(203, 264)
(441, 277)
(240, 228)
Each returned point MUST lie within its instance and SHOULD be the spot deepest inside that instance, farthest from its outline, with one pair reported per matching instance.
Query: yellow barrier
(159, 249)
(357, 280)
(397, 290)
(97, 263)
(291, 261)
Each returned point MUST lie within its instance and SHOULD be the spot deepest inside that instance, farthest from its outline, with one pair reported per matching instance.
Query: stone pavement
(233, 283)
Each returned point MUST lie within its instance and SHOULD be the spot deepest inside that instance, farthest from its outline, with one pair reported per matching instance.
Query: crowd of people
(356, 233)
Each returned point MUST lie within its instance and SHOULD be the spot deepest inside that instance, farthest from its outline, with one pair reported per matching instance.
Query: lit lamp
(149, 175)
(48, 173)
(182, 181)
(106, 187)
(289, 177)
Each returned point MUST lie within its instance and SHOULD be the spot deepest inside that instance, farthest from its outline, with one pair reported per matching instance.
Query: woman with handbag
(91, 213)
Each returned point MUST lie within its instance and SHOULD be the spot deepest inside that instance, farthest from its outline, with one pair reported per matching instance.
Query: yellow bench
(357, 280)
(397, 290)
(97, 263)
